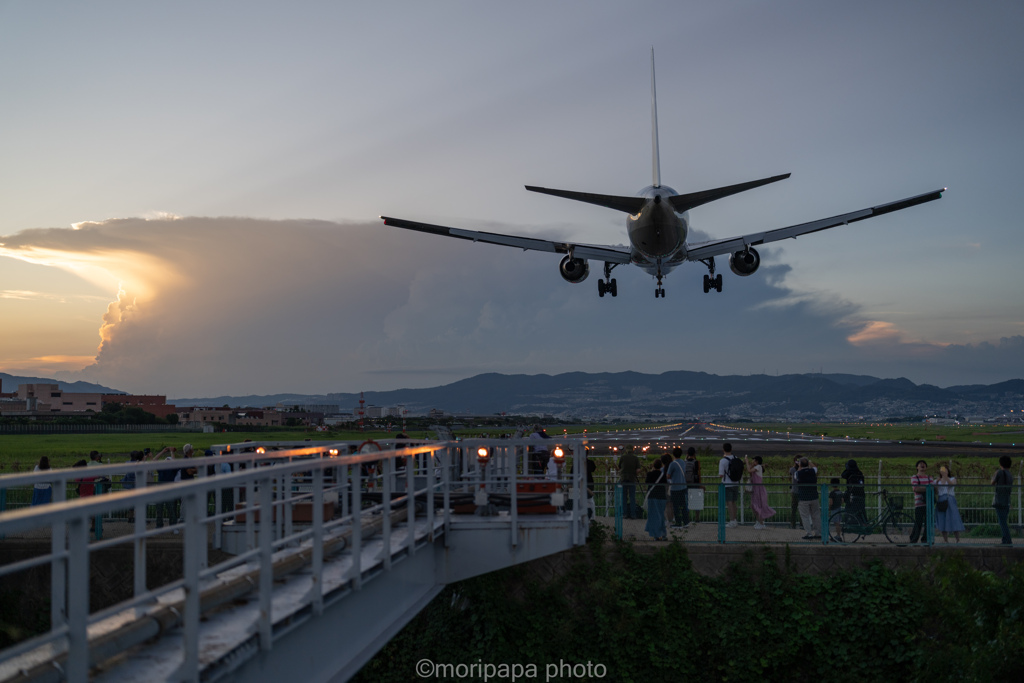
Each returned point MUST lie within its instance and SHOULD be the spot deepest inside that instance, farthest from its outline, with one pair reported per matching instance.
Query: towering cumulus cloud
(208, 306)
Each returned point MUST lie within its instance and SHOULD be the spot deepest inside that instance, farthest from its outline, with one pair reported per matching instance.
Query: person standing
(656, 503)
(693, 484)
(1003, 481)
(628, 466)
(99, 483)
(42, 492)
(793, 495)
(920, 483)
(810, 507)
(758, 492)
(666, 460)
(552, 470)
(165, 476)
(855, 496)
(947, 515)
(677, 477)
(539, 454)
(727, 472)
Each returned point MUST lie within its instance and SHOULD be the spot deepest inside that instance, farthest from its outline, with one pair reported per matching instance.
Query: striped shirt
(920, 480)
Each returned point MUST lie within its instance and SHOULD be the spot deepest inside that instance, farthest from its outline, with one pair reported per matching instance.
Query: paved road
(780, 443)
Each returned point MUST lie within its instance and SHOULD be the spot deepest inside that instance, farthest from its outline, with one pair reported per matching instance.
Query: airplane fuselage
(657, 234)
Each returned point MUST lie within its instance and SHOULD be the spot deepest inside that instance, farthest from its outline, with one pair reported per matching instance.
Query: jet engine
(574, 269)
(745, 262)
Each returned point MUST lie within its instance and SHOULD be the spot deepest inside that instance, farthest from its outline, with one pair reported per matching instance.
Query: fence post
(58, 567)
(265, 623)
(823, 512)
(318, 539)
(721, 512)
(1019, 522)
(929, 515)
(386, 514)
(618, 511)
(878, 499)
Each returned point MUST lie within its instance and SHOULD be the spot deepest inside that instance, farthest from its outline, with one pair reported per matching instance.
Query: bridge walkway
(313, 600)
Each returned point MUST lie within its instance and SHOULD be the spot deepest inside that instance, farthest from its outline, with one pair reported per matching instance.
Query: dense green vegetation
(653, 618)
(22, 451)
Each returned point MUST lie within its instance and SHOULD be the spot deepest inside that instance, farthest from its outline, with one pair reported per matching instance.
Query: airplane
(657, 225)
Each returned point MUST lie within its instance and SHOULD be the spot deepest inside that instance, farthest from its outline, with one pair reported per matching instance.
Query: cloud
(212, 306)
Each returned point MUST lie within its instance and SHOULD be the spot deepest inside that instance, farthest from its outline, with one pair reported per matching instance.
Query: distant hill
(678, 393)
(11, 382)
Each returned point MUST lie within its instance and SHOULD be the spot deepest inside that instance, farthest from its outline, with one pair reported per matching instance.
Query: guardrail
(375, 490)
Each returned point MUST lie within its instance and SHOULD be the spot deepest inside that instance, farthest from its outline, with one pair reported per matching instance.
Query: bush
(653, 618)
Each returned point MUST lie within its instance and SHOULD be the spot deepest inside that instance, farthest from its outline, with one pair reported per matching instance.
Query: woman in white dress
(947, 515)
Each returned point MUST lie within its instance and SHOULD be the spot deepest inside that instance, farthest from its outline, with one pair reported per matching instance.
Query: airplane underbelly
(656, 236)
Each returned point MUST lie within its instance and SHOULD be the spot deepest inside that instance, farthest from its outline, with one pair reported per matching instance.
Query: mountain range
(674, 394)
(634, 395)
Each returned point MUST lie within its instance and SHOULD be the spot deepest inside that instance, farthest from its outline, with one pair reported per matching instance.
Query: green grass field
(22, 451)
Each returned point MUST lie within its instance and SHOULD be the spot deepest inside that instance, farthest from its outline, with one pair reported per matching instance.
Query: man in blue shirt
(677, 479)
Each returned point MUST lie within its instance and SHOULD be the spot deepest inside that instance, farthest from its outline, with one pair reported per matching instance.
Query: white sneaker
(733, 523)
(759, 526)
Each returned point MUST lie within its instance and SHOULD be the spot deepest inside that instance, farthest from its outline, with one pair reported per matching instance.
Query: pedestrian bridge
(333, 547)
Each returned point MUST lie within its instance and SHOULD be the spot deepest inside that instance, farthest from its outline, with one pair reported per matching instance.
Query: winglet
(655, 161)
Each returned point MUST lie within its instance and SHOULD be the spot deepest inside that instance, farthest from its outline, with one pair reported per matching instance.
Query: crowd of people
(86, 485)
(673, 494)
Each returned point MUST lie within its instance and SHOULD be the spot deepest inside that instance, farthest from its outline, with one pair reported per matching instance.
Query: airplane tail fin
(655, 158)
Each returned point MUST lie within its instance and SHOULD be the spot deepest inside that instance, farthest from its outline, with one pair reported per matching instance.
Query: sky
(189, 191)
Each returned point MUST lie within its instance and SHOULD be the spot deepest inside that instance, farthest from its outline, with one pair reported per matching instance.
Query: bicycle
(846, 526)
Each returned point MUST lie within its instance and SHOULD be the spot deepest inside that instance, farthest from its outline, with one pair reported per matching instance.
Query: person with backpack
(730, 471)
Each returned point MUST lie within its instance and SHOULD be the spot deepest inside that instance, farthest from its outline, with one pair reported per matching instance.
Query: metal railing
(375, 491)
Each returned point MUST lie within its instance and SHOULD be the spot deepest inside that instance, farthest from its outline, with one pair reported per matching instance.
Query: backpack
(689, 471)
(735, 469)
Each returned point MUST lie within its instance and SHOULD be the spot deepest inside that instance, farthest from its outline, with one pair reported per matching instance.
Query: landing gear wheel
(601, 288)
(662, 292)
(613, 287)
(707, 284)
(718, 283)
(657, 292)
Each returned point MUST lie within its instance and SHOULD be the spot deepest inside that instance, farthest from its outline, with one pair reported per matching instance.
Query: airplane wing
(608, 254)
(705, 250)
